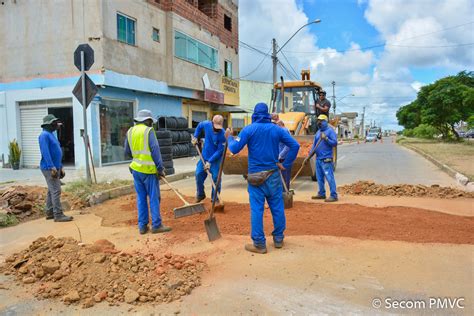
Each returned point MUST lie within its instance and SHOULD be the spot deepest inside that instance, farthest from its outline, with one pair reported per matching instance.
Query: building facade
(173, 57)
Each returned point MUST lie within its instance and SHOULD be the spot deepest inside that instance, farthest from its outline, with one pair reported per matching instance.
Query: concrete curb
(459, 177)
(100, 197)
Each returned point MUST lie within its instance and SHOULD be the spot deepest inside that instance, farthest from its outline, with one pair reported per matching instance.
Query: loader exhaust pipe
(282, 94)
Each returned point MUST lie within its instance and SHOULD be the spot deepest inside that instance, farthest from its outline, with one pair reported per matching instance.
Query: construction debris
(434, 191)
(62, 268)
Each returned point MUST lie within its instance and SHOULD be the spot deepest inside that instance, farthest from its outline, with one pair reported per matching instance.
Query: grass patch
(8, 220)
(457, 155)
(83, 190)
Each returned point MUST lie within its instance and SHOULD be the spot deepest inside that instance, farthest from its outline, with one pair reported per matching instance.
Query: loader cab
(297, 99)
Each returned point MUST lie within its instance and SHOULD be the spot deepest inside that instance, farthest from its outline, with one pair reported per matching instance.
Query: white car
(371, 137)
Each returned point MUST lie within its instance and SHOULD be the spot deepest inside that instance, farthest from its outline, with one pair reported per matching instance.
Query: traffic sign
(91, 90)
(88, 56)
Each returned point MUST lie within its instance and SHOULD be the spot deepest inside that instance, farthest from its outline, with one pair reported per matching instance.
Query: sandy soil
(340, 220)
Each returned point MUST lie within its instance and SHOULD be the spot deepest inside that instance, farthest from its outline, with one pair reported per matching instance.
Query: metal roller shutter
(30, 123)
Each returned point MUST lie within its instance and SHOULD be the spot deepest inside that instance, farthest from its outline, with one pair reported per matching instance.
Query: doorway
(65, 133)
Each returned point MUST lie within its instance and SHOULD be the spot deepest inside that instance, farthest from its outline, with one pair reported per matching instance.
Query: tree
(441, 104)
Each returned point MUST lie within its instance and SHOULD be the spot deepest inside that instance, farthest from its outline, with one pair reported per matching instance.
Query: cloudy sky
(382, 51)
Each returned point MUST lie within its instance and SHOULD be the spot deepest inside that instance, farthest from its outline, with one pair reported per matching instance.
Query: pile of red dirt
(28, 202)
(88, 274)
(341, 220)
(435, 191)
(303, 152)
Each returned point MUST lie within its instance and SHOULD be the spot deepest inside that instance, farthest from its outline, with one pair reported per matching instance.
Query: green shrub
(425, 131)
(408, 132)
(15, 152)
(7, 220)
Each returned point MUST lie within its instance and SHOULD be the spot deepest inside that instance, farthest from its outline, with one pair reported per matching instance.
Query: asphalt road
(384, 163)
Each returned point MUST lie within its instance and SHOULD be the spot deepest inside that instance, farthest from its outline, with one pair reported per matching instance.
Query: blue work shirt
(213, 142)
(263, 139)
(324, 149)
(51, 153)
(154, 149)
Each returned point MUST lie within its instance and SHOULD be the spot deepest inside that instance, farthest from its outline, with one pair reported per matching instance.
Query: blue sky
(424, 38)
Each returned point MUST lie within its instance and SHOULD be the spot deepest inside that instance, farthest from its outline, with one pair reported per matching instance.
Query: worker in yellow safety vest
(147, 168)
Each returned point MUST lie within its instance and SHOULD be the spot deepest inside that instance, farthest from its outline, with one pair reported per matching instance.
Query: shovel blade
(188, 210)
(212, 229)
(288, 199)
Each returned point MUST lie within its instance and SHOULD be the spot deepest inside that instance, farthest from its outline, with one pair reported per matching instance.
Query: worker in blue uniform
(263, 139)
(324, 159)
(214, 139)
(146, 167)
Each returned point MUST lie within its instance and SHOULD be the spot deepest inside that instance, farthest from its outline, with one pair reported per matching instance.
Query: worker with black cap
(52, 168)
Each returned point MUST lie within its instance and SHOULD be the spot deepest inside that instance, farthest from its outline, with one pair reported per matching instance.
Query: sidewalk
(114, 172)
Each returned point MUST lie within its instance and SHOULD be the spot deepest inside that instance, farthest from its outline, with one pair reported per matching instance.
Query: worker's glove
(54, 172)
(280, 166)
(161, 174)
(323, 136)
(194, 141)
(207, 166)
(62, 173)
(229, 132)
(280, 160)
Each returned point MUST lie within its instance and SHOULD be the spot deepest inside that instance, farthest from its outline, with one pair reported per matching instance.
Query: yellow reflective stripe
(143, 162)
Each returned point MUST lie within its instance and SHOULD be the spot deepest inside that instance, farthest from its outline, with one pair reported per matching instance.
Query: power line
(258, 66)
(296, 74)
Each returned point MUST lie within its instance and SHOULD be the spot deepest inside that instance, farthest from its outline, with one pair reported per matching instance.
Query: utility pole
(362, 132)
(275, 60)
(334, 96)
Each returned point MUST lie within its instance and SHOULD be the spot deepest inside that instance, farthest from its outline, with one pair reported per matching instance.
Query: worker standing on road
(324, 159)
(322, 105)
(263, 139)
(146, 168)
(52, 168)
(214, 139)
(283, 152)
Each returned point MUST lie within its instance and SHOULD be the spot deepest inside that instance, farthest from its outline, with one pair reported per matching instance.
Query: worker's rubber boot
(277, 244)
(331, 199)
(160, 229)
(200, 198)
(255, 249)
(63, 218)
(318, 197)
(143, 230)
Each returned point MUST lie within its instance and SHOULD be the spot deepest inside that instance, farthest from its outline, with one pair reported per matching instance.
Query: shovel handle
(283, 181)
(175, 191)
(219, 176)
(208, 172)
(305, 160)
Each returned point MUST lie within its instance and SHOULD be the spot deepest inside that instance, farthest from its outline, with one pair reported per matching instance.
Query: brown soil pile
(435, 191)
(88, 274)
(341, 220)
(303, 152)
(28, 202)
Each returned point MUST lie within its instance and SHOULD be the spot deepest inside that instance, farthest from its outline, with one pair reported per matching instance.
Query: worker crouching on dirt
(324, 159)
(214, 139)
(146, 168)
(263, 139)
(52, 168)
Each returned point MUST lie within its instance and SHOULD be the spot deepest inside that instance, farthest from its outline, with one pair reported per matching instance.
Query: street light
(275, 51)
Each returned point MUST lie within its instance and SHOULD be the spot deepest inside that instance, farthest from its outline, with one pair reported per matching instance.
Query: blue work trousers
(201, 176)
(271, 190)
(287, 176)
(147, 186)
(325, 170)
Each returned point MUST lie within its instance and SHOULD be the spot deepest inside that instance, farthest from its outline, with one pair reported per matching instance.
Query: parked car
(469, 134)
(371, 137)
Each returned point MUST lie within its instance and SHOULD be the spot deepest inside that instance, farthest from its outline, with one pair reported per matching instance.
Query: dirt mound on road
(341, 220)
(88, 274)
(434, 191)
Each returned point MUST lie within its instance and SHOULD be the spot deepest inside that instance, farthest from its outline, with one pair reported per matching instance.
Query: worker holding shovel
(324, 141)
(146, 167)
(264, 181)
(214, 139)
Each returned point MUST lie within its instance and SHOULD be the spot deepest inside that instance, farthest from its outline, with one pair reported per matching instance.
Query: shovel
(187, 209)
(212, 229)
(306, 160)
(220, 206)
(287, 195)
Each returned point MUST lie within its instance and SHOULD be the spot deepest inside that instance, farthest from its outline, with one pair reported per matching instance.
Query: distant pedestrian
(345, 133)
(324, 159)
(214, 140)
(262, 139)
(52, 168)
(146, 167)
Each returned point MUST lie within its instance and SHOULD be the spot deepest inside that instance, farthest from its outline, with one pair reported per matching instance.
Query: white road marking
(340, 158)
